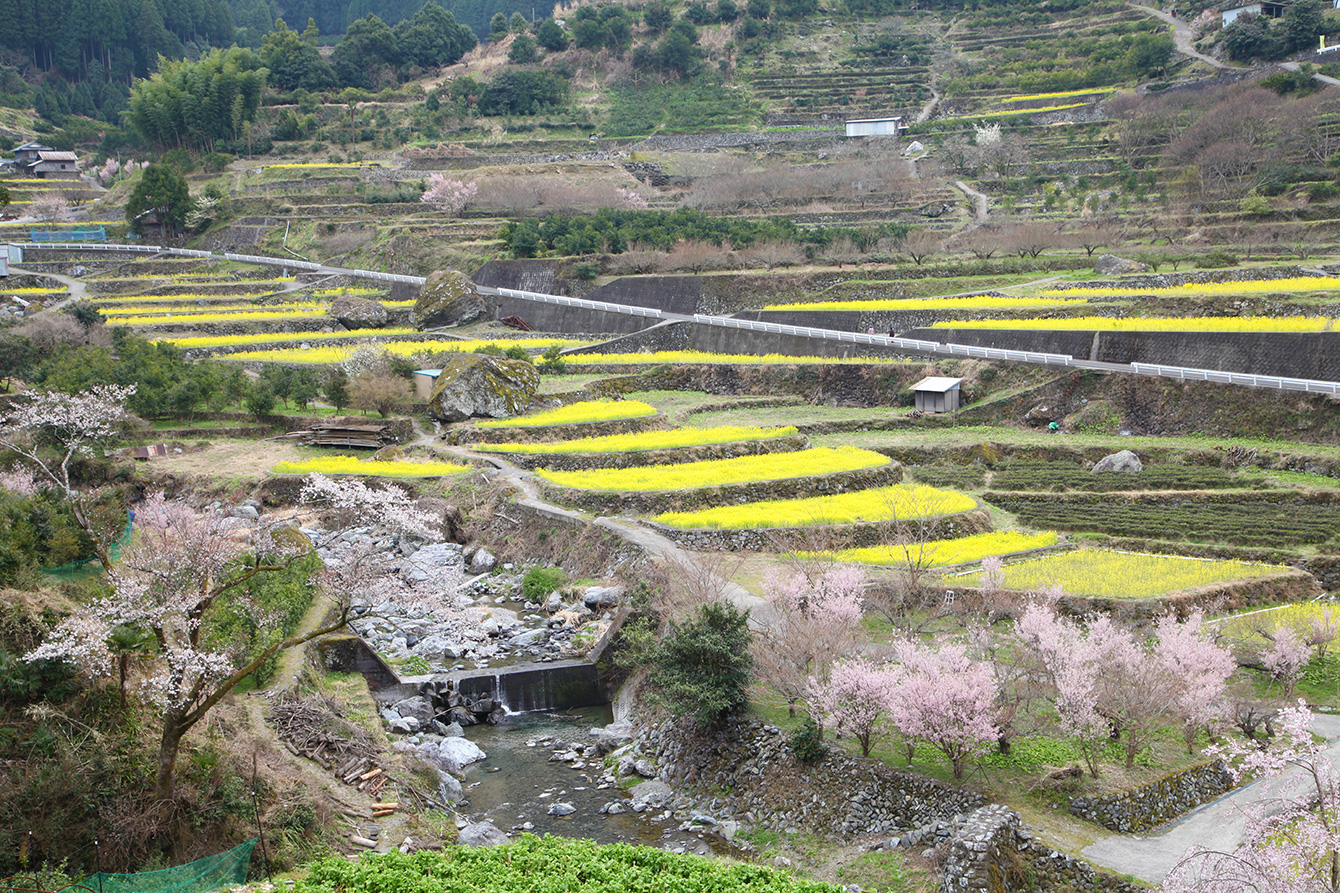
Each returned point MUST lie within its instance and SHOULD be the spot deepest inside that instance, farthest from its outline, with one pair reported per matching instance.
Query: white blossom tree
(181, 563)
(447, 195)
(51, 430)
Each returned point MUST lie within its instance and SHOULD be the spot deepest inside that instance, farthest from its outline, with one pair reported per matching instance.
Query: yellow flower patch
(1108, 574)
(718, 472)
(1153, 324)
(975, 302)
(340, 353)
(205, 341)
(578, 413)
(945, 553)
(697, 356)
(353, 465)
(1243, 287)
(896, 503)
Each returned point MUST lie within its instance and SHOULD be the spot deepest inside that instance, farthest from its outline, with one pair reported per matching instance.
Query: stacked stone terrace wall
(1149, 806)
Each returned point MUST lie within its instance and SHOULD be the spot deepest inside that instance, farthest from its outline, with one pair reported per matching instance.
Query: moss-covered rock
(473, 385)
(448, 298)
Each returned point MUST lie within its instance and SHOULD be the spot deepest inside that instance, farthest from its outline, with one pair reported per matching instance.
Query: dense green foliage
(162, 190)
(374, 55)
(703, 667)
(613, 231)
(197, 104)
(551, 864)
(336, 17)
(1064, 476)
(1258, 37)
(1240, 523)
(695, 106)
(35, 532)
(540, 581)
(282, 595)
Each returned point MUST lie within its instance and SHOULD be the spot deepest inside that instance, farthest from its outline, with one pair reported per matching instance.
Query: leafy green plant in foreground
(552, 864)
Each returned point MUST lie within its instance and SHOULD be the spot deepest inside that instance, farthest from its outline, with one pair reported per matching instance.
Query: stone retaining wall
(770, 788)
(1287, 586)
(990, 852)
(638, 458)
(466, 434)
(613, 503)
(1199, 277)
(1159, 801)
(835, 536)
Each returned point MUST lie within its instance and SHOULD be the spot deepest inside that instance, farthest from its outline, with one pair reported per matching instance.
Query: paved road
(1218, 826)
(1319, 78)
(1181, 36)
(78, 291)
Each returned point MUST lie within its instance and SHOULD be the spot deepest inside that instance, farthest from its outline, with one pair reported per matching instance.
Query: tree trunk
(168, 746)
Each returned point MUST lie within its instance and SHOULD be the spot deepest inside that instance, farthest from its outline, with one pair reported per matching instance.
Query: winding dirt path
(78, 291)
(979, 203)
(1181, 36)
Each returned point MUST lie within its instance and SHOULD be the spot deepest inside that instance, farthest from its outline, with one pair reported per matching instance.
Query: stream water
(518, 784)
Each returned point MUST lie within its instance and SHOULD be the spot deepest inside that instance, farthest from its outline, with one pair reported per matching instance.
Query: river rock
(530, 637)
(448, 298)
(449, 788)
(612, 736)
(650, 795)
(482, 834)
(405, 725)
(562, 809)
(357, 313)
(482, 561)
(602, 598)
(1111, 265)
(453, 730)
(645, 768)
(416, 707)
(473, 385)
(1125, 461)
(461, 751)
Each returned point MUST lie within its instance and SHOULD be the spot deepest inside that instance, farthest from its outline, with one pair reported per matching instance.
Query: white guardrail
(912, 345)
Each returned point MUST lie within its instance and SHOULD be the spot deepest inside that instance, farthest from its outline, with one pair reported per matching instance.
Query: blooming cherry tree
(1286, 658)
(51, 430)
(1202, 666)
(943, 697)
(854, 700)
(180, 564)
(814, 620)
(448, 195)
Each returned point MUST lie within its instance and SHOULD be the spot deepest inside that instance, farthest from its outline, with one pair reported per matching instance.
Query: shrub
(703, 667)
(807, 742)
(386, 394)
(540, 581)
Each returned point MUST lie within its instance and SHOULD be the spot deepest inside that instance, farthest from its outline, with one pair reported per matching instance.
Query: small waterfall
(500, 695)
(528, 688)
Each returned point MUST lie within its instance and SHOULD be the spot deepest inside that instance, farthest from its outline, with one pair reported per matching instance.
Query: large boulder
(1111, 265)
(357, 313)
(473, 385)
(1124, 461)
(482, 834)
(448, 298)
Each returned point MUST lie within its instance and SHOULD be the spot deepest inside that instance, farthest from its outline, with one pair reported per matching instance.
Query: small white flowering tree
(447, 195)
(52, 430)
(182, 563)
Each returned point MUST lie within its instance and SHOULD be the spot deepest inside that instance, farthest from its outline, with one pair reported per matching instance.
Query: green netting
(87, 566)
(209, 873)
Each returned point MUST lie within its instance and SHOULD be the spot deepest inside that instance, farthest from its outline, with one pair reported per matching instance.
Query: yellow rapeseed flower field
(33, 291)
(1243, 287)
(354, 465)
(340, 353)
(116, 313)
(279, 337)
(1246, 628)
(294, 164)
(896, 503)
(643, 440)
(718, 472)
(347, 291)
(697, 356)
(1109, 574)
(210, 316)
(945, 553)
(577, 413)
(976, 302)
(1064, 93)
(1153, 324)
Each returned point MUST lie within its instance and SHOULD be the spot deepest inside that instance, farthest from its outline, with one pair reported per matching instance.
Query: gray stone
(449, 789)
(448, 298)
(416, 707)
(405, 725)
(562, 809)
(612, 736)
(645, 768)
(461, 751)
(1111, 265)
(453, 730)
(601, 598)
(482, 562)
(473, 385)
(358, 313)
(650, 795)
(530, 637)
(1125, 461)
(482, 834)
(245, 511)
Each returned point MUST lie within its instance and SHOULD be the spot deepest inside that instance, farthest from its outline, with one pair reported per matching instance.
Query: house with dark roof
(36, 160)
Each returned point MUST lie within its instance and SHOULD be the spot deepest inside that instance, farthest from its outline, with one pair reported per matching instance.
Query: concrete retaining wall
(1303, 355)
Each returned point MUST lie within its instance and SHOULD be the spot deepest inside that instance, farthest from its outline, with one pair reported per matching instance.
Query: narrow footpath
(1181, 36)
(1219, 825)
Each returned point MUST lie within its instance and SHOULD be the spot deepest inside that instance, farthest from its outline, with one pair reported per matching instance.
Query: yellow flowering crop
(1246, 629)
(975, 302)
(896, 503)
(206, 317)
(697, 356)
(1108, 574)
(347, 291)
(578, 413)
(354, 465)
(276, 337)
(944, 553)
(1244, 287)
(719, 472)
(116, 302)
(643, 440)
(33, 291)
(1153, 324)
(115, 313)
(294, 164)
(340, 353)
(1031, 96)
